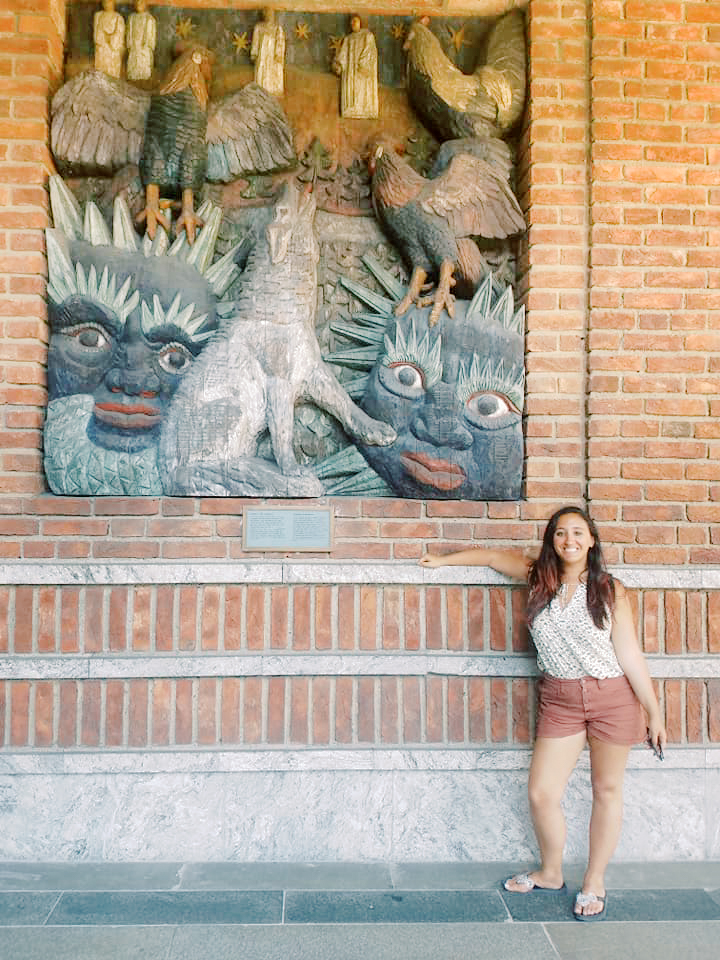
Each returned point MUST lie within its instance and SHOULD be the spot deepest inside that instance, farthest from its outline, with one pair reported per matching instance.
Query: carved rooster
(486, 103)
(178, 137)
(432, 221)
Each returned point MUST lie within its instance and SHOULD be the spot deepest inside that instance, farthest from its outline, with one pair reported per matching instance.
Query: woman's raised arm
(513, 563)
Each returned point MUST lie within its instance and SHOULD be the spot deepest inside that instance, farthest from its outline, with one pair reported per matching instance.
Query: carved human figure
(109, 39)
(356, 64)
(141, 41)
(268, 53)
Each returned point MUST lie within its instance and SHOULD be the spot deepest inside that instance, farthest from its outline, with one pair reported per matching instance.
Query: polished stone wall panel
(365, 807)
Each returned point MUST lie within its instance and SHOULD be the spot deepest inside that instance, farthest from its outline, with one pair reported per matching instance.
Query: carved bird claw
(441, 299)
(152, 213)
(188, 219)
(415, 288)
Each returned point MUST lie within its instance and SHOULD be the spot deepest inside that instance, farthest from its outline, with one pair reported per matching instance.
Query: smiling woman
(593, 688)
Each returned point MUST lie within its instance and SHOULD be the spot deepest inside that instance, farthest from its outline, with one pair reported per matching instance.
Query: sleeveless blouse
(568, 643)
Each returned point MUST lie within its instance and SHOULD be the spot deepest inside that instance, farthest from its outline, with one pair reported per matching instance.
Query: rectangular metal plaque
(288, 528)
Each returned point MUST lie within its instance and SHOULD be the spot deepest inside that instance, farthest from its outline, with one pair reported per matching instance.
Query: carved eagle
(177, 135)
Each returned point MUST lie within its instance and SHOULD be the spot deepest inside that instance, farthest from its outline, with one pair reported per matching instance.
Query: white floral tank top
(568, 643)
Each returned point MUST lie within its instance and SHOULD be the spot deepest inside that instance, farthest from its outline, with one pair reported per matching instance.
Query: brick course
(139, 622)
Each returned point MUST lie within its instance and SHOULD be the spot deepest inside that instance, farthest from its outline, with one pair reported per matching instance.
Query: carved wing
(491, 149)
(97, 123)
(248, 132)
(474, 199)
(504, 74)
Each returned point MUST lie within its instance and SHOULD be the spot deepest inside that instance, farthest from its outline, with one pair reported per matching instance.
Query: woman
(593, 682)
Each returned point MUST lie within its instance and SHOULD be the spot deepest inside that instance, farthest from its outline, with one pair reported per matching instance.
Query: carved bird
(486, 103)
(431, 222)
(179, 137)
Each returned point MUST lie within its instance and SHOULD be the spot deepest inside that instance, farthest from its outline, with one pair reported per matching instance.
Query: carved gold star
(184, 28)
(399, 31)
(335, 43)
(457, 37)
(302, 31)
(241, 42)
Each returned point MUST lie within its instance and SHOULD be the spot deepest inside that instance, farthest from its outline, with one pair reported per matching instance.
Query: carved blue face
(454, 393)
(129, 358)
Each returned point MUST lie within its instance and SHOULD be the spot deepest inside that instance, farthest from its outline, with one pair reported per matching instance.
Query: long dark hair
(545, 573)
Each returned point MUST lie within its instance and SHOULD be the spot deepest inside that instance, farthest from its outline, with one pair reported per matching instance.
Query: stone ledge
(192, 760)
(291, 572)
(170, 665)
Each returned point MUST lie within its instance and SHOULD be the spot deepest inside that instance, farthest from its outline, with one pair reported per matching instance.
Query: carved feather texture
(98, 123)
(395, 183)
(248, 132)
(98, 126)
(474, 199)
(454, 104)
(470, 195)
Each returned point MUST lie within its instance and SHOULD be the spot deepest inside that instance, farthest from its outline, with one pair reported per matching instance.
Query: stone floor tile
(157, 907)
(23, 909)
(88, 876)
(456, 906)
(86, 943)
(285, 876)
(539, 907)
(638, 905)
(700, 875)
(469, 941)
(639, 941)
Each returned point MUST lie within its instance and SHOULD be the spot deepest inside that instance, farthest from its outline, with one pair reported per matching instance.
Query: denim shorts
(606, 709)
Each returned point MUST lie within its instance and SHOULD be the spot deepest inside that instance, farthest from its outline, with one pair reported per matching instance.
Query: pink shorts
(606, 709)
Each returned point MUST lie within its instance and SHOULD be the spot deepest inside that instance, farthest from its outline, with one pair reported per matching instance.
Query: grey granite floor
(345, 911)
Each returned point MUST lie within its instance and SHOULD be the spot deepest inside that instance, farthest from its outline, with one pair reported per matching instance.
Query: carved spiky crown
(68, 277)
(491, 309)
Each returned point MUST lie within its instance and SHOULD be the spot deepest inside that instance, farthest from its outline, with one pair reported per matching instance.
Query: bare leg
(553, 761)
(607, 763)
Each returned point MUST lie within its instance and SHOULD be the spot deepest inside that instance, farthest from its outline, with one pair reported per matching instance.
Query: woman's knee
(606, 789)
(543, 795)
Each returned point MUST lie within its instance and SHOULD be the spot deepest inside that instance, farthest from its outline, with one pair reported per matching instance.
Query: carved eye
(90, 337)
(175, 358)
(490, 410)
(404, 379)
(407, 375)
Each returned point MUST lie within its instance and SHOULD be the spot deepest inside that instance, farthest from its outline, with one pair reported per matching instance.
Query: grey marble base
(402, 810)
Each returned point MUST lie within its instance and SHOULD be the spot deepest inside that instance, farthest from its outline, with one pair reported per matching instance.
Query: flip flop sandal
(525, 880)
(583, 899)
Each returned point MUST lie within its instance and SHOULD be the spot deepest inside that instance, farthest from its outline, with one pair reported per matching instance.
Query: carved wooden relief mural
(283, 256)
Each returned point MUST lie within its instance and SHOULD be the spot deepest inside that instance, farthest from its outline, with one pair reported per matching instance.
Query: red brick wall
(141, 624)
(654, 343)
(619, 173)
(31, 56)
(554, 154)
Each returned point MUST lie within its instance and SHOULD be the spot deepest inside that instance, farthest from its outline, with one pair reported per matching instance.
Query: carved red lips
(441, 474)
(131, 416)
